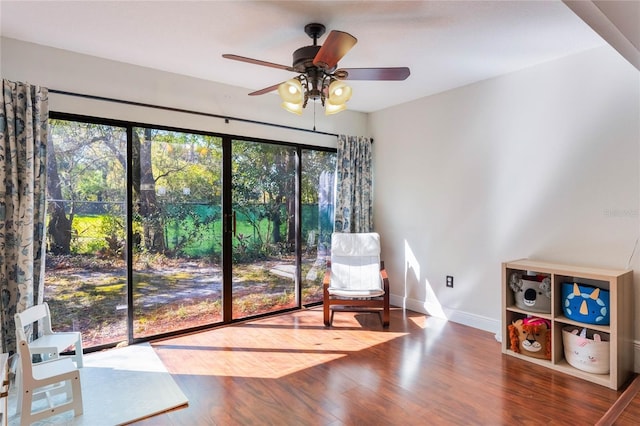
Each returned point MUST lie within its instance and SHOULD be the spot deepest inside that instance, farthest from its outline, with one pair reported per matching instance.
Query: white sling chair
(355, 279)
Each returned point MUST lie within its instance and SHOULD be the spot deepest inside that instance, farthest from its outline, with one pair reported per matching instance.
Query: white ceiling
(446, 44)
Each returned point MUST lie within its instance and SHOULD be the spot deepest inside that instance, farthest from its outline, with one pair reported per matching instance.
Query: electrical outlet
(449, 281)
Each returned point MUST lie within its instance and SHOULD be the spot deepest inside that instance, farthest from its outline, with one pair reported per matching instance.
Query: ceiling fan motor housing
(303, 58)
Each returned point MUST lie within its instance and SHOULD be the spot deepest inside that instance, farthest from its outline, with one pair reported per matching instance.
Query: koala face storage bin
(585, 303)
(531, 295)
(586, 350)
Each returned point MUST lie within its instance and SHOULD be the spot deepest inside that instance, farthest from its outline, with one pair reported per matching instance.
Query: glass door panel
(264, 267)
(85, 271)
(176, 234)
(317, 196)
(177, 231)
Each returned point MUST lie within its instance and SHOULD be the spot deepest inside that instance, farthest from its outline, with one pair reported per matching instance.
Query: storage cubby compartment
(586, 349)
(596, 300)
(531, 290)
(530, 336)
(585, 301)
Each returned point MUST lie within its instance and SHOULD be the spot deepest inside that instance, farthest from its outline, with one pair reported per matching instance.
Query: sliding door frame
(227, 242)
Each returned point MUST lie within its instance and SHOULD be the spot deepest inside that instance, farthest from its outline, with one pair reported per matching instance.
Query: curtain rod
(206, 114)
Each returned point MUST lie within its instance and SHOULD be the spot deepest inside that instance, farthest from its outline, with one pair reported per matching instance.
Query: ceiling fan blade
(394, 73)
(337, 44)
(257, 62)
(265, 90)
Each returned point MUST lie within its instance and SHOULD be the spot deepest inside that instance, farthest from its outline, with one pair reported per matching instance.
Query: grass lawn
(87, 291)
(89, 294)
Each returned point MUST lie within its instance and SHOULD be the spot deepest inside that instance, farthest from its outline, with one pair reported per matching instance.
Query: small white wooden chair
(47, 379)
(50, 344)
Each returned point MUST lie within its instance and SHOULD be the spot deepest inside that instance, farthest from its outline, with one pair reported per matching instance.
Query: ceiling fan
(318, 74)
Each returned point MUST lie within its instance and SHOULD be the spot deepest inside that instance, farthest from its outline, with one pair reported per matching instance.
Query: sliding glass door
(152, 231)
(85, 270)
(317, 203)
(264, 217)
(177, 231)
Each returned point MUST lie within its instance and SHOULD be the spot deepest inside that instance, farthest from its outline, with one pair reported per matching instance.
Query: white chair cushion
(355, 265)
(355, 294)
(362, 244)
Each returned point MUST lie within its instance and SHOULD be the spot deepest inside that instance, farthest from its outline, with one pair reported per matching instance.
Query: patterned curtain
(354, 203)
(24, 114)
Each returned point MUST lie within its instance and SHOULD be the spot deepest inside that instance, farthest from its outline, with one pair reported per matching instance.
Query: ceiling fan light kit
(291, 91)
(330, 108)
(295, 108)
(318, 76)
(333, 94)
(339, 92)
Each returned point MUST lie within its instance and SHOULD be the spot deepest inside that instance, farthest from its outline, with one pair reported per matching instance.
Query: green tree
(144, 187)
(182, 177)
(81, 170)
(264, 188)
(59, 226)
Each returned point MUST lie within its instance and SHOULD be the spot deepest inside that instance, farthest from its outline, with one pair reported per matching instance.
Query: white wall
(542, 163)
(73, 72)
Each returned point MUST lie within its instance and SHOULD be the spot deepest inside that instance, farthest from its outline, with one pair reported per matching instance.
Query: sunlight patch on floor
(294, 342)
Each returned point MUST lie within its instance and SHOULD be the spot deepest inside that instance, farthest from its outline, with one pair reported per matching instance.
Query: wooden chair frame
(379, 304)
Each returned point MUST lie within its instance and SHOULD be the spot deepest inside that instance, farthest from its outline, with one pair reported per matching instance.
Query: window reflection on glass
(177, 226)
(317, 195)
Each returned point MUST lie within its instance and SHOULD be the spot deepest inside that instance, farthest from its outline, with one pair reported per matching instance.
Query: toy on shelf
(531, 292)
(585, 303)
(531, 336)
(587, 351)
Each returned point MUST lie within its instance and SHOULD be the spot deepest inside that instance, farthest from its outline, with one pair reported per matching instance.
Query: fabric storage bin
(586, 350)
(531, 293)
(531, 336)
(585, 303)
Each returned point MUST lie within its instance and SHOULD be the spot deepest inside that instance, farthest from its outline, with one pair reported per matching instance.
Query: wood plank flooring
(291, 370)
(631, 415)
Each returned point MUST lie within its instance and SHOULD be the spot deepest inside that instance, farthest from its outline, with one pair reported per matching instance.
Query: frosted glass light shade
(294, 108)
(339, 92)
(291, 91)
(330, 108)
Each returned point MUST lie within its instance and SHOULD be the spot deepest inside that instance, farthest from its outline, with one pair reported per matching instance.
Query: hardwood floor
(631, 414)
(291, 370)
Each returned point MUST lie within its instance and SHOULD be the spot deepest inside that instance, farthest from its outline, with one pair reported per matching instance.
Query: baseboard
(436, 310)
(472, 320)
